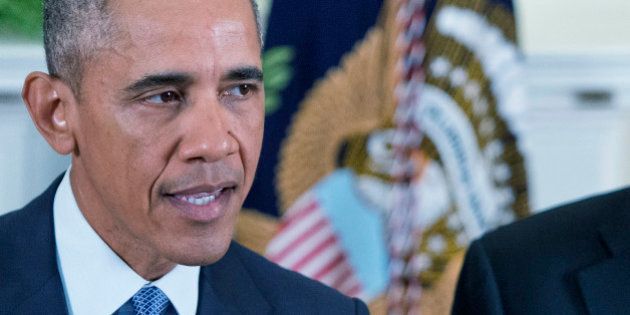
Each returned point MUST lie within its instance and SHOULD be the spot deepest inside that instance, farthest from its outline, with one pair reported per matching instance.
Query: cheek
(149, 135)
(102, 143)
(137, 151)
(247, 128)
(147, 158)
(252, 135)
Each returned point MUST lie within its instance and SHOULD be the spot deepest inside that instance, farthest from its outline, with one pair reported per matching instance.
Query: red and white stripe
(307, 243)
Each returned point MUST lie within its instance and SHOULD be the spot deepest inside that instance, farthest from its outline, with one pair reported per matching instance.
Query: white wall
(575, 145)
(574, 26)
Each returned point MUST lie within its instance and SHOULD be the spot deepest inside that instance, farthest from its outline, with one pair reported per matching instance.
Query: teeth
(200, 199)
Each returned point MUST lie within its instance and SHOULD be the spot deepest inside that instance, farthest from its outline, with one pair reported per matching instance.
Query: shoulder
(563, 226)
(28, 223)
(286, 289)
(33, 221)
(536, 259)
(27, 254)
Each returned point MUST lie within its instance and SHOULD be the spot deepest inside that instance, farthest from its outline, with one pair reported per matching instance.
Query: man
(160, 105)
(571, 260)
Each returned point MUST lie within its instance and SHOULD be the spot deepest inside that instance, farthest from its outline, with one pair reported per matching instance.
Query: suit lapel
(225, 287)
(606, 285)
(40, 287)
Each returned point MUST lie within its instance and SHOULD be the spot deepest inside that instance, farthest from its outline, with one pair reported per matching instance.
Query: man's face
(168, 129)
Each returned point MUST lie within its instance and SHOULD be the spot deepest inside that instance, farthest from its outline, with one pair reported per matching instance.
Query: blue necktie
(149, 300)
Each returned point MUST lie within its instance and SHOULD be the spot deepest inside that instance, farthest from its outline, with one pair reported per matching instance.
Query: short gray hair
(74, 30)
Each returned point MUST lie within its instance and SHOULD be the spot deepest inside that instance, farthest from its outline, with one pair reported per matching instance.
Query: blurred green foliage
(21, 19)
(276, 64)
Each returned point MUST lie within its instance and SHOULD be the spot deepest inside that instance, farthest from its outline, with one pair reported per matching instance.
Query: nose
(207, 133)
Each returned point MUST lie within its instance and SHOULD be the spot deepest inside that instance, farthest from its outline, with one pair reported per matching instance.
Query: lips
(203, 203)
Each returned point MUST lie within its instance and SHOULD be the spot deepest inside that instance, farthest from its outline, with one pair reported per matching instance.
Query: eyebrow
(182, 79)
(158, 80)
(243, 74)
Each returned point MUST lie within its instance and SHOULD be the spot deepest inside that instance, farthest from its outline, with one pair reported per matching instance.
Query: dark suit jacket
(571, 260)
(242, 282)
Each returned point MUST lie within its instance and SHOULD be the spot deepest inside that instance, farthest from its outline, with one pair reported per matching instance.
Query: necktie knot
(150, 300)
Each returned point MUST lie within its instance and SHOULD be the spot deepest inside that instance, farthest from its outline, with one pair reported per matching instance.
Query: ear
(48, 101)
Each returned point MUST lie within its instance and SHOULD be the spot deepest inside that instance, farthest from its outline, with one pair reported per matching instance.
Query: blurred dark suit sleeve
(477, 291)
(574, 259)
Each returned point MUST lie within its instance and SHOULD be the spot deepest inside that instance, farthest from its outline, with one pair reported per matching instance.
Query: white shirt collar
(95, 279)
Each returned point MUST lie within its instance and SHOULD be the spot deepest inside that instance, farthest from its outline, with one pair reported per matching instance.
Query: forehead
(187, 11)
(184, 30)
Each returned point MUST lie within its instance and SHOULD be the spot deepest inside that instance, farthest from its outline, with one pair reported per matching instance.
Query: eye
(241, 90)
(164, 98)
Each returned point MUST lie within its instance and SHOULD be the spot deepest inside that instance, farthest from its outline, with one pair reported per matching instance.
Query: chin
(203, 255)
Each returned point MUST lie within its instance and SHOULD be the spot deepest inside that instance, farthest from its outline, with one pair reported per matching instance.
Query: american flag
(307, 243)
